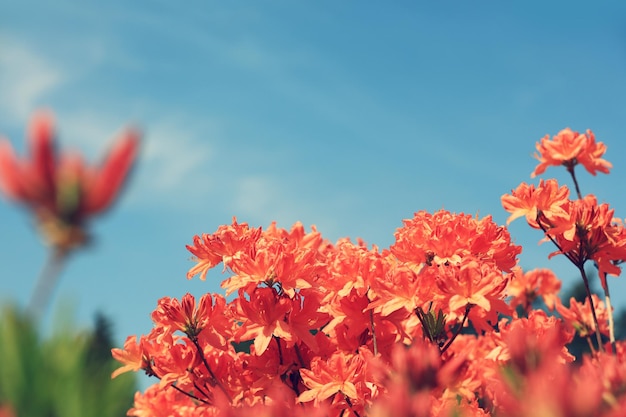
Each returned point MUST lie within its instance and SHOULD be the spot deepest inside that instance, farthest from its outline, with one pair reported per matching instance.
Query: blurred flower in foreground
(61, 190)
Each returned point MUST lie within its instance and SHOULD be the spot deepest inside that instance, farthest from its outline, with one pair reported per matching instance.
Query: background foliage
(66, 374)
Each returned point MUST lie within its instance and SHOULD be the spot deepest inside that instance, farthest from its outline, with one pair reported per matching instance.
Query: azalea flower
(446, 238)
(580, 318)
(207, 320)
(545, 201)
(343, 373)
(132, 356)
(264, 318)
(526, 287)
(571, 148)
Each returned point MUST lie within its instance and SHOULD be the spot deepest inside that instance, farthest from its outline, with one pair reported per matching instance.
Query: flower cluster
(441, 323)
(583, 230)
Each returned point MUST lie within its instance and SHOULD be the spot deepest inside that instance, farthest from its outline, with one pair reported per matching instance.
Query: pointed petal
(42, 171)
(111, 175)
(10, 173)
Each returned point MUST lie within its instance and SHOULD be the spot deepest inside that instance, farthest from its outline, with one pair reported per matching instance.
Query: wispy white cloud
(27, 78)
(256, 194)
(175, 150)
(174, 158)
(177, 156)
(262, 198)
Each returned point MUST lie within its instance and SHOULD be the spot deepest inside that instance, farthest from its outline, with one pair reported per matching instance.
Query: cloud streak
(27, 79)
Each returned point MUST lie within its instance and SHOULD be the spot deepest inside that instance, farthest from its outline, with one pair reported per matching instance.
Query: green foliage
(67, 374)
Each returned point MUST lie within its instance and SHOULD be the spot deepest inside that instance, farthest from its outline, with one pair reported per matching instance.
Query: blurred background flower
(62, 192)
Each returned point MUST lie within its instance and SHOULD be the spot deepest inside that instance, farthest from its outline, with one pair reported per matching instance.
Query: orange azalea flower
(471, 284)
(275, 262)
(583, 229)
(305, 316)
(400, 289)
(579, 317)
(610, 372)
(209, 321)
(447, 238)
(342, 373)
(524, 288)
(132, 356)
(351, 266)
(176, 365)
(570, 148)
(157, 402)
(552, 390)
(274, 256)
(530, 342)
(547, 199)
(297, 237)
(538, 381)
(225, 244)
(63, 192)
(263, 317)
(591, 233)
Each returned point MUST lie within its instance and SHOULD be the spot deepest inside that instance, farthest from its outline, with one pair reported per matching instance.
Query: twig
(583, 274)
(458, 330)
(373, 332)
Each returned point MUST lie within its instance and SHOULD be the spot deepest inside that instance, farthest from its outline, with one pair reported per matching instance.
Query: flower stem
(375, 343)
(583, 274)
(609, 309)
(48, 278)
(214, 379)
(570, 169)
(458, 330)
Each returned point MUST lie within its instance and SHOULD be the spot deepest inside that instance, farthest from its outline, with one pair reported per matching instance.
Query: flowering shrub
(439, 324)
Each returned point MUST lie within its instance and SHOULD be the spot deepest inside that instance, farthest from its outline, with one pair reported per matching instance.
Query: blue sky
(350, 116)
